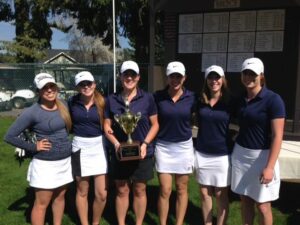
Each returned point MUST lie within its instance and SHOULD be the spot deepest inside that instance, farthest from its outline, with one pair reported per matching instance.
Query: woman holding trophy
(131, 124)
(89, 156)
(174, 153)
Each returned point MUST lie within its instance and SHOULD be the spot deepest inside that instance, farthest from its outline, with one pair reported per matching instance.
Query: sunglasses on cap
(85, 83)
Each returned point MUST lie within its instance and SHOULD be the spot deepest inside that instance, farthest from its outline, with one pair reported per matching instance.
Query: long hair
(100, 104)
(64, 112)
(205, 95)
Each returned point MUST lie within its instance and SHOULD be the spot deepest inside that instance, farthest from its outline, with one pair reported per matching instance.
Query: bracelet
(116, 144)
(146, 143)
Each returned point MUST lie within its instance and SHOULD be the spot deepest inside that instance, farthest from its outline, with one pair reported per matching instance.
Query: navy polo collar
(260, 95)
(76, 99)
(185, 94)
(119, 97)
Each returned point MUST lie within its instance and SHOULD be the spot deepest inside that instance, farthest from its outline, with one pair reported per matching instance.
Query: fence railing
(16, 80)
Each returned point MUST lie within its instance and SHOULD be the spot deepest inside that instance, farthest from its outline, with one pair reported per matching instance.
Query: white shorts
(49, 174)
(89, 156)
(247, 166)
(212, 170)
(174, 157)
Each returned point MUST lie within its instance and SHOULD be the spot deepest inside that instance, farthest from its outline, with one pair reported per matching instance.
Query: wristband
(146, 143)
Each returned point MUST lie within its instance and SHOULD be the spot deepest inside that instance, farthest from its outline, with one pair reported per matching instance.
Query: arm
(277, 126)
(151, 134)
(109, 133)
(24, 121)
(12, 135)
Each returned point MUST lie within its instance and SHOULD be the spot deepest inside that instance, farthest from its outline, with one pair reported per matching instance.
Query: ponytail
(100, 104)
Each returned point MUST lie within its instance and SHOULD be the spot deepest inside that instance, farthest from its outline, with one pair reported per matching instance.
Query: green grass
(16, 197)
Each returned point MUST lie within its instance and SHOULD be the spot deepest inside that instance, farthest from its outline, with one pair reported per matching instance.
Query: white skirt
(89, 156)
(49, 174)
(247, 166)
(212, 170)
(174, 157)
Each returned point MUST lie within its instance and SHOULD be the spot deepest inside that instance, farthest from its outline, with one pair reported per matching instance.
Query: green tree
(33, 32)
(95, 19)
(134, 18)
(33, 29)
(5, 11)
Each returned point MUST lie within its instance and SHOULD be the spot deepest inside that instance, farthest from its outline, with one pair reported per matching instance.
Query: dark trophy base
(129, 151)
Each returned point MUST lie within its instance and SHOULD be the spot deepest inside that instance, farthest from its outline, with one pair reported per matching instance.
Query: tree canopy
(35, 18)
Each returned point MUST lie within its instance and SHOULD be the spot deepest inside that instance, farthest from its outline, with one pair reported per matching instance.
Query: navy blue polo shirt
(255, 119)
(144, 103)
(86, 123)
(213, 134)
(175, 117)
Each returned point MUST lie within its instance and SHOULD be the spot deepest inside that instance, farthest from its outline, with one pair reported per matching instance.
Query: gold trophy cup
(129, 150)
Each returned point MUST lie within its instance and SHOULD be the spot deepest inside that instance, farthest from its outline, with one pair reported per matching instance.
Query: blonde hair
(205, 93)
(100, 104)
(64, 112)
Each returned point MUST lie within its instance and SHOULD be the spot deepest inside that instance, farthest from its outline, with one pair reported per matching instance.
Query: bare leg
(181, 181)
(100, 197)
(139, 201)
(58, 204)
(222, 205)
(82, 199)
(165, 181)
(247, 205)
(206, 193)
(122, 200)
(41, 202)
(265, 213)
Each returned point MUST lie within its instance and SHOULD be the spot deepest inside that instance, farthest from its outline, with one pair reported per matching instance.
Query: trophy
(129, 150)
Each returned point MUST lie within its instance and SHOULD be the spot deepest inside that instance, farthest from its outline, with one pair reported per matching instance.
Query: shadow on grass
(288, 203)
(25, 204)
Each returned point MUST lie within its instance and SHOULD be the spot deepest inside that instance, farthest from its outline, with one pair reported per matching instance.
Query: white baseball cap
(175, 67)
(253, 64)
(84, 75)
(41, 79)
(216, 69)
(130, 65)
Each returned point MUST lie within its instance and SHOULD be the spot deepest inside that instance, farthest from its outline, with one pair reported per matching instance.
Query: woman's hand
(43, 145)
(267, 175)
(117, 149)
(143, 150)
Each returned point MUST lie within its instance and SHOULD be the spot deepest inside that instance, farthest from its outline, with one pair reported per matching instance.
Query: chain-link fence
(17, 89)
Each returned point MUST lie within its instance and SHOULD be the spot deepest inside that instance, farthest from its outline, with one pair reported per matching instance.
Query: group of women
(249, 166)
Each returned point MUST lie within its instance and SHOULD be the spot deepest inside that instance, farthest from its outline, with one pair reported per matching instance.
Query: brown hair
(64, 112)
(205, 93)
(262, 80)
(100, 104)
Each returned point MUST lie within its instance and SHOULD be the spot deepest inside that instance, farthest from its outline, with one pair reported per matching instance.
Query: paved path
(12, 113)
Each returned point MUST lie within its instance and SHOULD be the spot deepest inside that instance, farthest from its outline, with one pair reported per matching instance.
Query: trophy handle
(116, 117)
